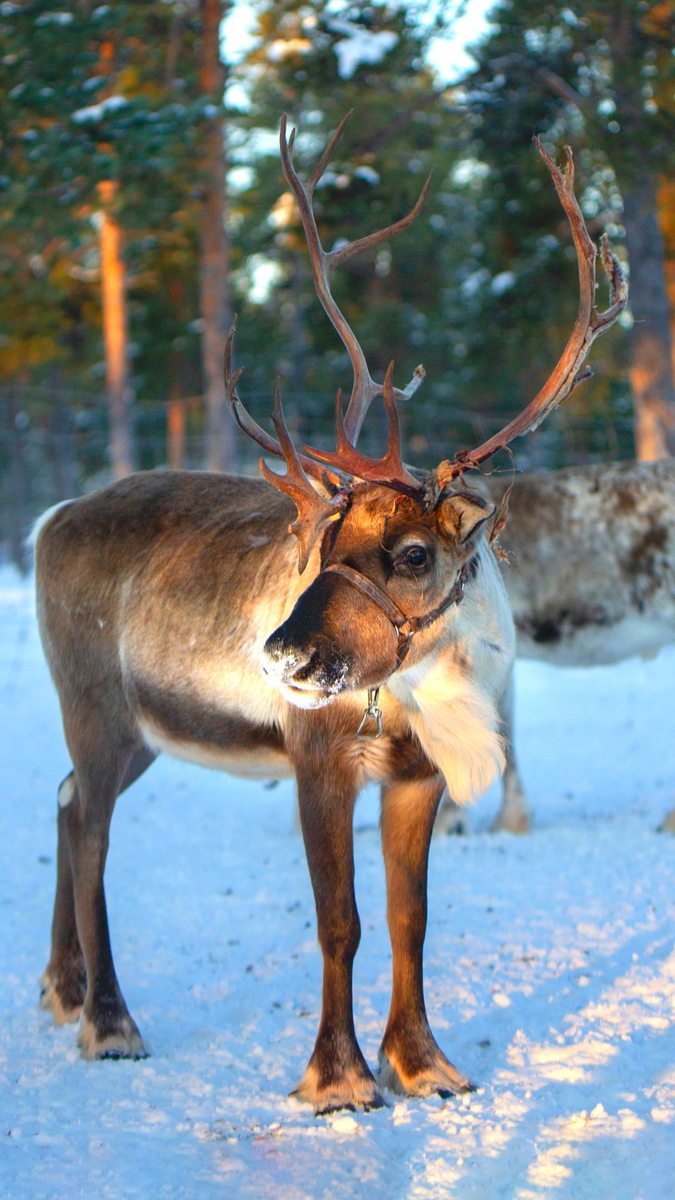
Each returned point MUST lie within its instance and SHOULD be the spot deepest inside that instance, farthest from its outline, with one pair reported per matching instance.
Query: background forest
(126, 140)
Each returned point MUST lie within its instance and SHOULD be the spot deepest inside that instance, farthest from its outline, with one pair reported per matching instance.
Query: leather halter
(406, 627)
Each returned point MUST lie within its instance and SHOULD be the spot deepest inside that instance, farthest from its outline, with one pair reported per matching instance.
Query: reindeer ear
(461, 515)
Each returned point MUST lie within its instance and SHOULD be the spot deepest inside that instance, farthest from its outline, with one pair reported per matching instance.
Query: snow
(549, 964)
(360, 45)
(54, 18)
(95, 112)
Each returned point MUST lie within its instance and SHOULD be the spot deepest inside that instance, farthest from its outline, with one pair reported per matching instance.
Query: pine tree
(599, 76)
(114, 94)
(317, 67)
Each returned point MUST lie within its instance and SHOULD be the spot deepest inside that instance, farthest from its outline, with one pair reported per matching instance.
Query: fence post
(62, 451)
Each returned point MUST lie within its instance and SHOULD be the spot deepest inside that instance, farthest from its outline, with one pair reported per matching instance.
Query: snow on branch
(360, 46)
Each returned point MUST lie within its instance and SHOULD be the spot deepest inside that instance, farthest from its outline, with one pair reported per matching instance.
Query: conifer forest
(413, 936)
(142, 205)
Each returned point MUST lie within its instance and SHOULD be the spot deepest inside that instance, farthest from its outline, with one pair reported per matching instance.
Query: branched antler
(388, 470)
(324, 264)
(315, 512)
(246, 423)
(589, 325)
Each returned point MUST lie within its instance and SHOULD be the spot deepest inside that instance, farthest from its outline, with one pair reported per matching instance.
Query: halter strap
(375, 593)
(406, 627)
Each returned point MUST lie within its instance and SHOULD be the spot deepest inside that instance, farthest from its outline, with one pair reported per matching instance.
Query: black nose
(318, 666)
(282, 655)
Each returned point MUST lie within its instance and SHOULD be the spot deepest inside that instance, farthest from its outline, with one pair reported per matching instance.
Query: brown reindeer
(174, 618)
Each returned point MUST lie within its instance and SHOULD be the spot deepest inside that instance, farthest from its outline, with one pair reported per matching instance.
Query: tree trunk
(115, 337)
(215, 306)
(651, 371)
(175, 429)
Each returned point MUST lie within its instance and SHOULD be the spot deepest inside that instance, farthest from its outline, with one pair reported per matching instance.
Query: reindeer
(590, 580)
(370, 640)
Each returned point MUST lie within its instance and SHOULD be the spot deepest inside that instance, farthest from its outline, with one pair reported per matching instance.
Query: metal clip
(371, 713)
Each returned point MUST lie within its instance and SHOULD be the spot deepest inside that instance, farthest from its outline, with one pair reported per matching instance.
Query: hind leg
(64, 982)
(515, 814)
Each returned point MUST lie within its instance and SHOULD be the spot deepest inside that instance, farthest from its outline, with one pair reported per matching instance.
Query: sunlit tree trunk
(115, 336)
(651, 371)
(175, 431)
(215, 306)
(651, 368)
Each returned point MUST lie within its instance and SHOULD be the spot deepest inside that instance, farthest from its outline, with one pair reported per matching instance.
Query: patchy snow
(96, 112)
(360, 45)
(550, 972)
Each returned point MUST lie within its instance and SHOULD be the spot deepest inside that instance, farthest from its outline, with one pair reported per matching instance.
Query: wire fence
(54, 444)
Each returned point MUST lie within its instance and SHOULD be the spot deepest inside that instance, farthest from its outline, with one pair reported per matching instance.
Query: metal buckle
(371, 713)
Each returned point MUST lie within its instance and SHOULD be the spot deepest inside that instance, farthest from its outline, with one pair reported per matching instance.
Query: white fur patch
(591, 645)
(457, 727)
(451, 696)
(39, 524)
(66, 792)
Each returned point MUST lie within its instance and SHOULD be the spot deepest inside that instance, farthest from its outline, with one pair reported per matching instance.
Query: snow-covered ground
(550, 972)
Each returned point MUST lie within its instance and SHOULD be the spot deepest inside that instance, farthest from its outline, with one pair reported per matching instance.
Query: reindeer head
(393, 549)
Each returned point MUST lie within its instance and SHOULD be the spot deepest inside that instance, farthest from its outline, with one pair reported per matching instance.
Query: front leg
(411, 1063)
(337, 1075)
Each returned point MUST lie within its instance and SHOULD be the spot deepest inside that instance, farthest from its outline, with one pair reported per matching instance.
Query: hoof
(668, 823)
(512, 821)
(65, 1009)
(352, 1091)
(124, 1042)
(439, 1078)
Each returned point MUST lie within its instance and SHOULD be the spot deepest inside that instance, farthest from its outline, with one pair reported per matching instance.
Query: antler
(246, 423)
(589, 325)
(315, 512)
(388, 470)
(323, 265)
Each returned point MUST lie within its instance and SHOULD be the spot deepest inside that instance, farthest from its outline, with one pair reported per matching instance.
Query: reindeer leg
(515, 814)
(103, 765)
(411, 1062)
(64, 981)
(337, 1074)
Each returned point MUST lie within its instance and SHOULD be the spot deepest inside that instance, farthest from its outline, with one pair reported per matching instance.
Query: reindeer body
(174, 610)
(156, 597)
(590, 577)
(592, 573)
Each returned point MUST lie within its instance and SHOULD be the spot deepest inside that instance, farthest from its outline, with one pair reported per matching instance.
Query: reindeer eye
(416, 557)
